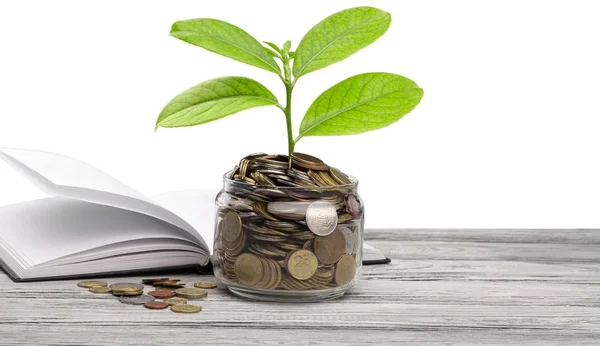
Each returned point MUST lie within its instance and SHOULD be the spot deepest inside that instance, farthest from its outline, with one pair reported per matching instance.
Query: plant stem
(289, 86)
(288, 120)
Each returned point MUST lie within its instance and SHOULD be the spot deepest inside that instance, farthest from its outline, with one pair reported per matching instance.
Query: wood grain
(443, 287)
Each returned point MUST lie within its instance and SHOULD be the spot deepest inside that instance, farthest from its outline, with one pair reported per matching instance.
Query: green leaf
(338, 36)
(214, 99)
(361, 103)
(273, 45)
(286, 47)
(271, 52)
(225, 39)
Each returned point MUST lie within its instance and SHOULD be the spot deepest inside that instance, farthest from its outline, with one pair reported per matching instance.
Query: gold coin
(301, 264)
(248, 269)
(90, 284)
(175, 301)
(330, 248)
(186, 308)
(127, 293)
(161, 288)
(100, 289)
(345, 270)
(205, 284)
(339, 177)
(191, 293)
(231, 226)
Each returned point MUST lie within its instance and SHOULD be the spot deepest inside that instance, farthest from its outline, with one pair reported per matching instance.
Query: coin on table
(162, 294)
(231, 226)
(176, 301)
(345, 270)
(126, 286)
(100, 289)
(136, 300)
(329, 249)
(161, 288)
(191, 293)
(156, 305)
(186, 308)
(301, 264)
(90, 284)
(321, 217)
(153, 280)
(205, 284)
(170, 283)
(248, 269)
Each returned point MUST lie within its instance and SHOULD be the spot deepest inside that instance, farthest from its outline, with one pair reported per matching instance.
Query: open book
(83, 222)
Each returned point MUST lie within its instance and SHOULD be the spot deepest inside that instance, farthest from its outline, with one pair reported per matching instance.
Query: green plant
(361, 103)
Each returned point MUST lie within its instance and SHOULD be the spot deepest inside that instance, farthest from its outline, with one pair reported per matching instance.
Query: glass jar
(288, 243)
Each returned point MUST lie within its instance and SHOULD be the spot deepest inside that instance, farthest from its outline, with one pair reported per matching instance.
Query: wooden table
(443, 287)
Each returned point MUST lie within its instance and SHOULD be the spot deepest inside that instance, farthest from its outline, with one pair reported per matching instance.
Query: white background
(506, 134)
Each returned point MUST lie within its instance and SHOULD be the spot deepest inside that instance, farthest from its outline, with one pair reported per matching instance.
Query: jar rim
(353, 185)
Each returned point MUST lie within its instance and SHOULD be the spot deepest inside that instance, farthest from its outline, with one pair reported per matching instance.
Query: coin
(191, 293)
(100, 289)
(186, 308)
(162, 294)
(339, 177)
(345, 270)
(231, 226)
(321, 217)
(248, 269)
(175, 301)
(126, 285)
(127, 293)
(301, 264)
(90, 284)
(350, 239)
(329, 249)
(293, 210)
(153, 280)
(205, 284)
(156, 305)
(136, 300)
(170, 283)
(170, 289)
(308, 161)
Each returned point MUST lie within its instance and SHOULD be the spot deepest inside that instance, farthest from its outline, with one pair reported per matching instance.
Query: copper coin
(153, 280)
(329, 249)
(156, 305)
(162, 294)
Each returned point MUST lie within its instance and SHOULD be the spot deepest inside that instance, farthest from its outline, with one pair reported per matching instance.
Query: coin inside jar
(345, 270)
(301, 264)
(321, 217)
(248, 269)
(329, 249)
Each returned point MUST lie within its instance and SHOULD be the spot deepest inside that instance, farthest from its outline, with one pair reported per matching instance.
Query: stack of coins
(172, 292)
(288, 228)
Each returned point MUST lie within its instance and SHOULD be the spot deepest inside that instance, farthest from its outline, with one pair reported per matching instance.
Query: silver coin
(350, 240)
(136, 300)
(116, 286)
(321, 218)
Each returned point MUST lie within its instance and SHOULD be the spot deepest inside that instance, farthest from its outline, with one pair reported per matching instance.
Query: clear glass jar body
(266, 247)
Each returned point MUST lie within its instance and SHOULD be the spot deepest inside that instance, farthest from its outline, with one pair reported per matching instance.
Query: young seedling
(361, 103)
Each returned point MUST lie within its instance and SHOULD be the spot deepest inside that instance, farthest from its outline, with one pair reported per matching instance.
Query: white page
(47, 229)
(197, 207)
(61, 176)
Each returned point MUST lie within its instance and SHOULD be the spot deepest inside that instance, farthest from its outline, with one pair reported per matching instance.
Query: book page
(197, 207)
(47, 229)
(61, 176)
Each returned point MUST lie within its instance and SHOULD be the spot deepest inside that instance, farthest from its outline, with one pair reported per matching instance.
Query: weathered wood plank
(485, 287)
